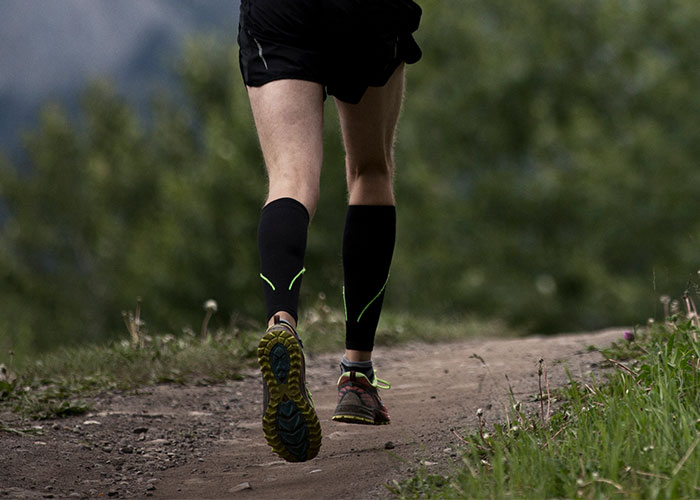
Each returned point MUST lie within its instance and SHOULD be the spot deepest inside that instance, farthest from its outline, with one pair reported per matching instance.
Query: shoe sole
(290, 424)
(354, 419)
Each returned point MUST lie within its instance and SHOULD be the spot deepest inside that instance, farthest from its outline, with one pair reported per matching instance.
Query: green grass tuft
(636, 436)
(56, 384)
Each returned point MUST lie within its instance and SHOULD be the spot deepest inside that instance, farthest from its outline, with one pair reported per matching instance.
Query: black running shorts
(344, 45)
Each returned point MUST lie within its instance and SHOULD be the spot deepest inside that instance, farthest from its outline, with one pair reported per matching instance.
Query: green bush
(546, 176)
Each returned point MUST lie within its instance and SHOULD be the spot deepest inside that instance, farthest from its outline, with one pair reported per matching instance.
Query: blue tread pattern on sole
(290, 424)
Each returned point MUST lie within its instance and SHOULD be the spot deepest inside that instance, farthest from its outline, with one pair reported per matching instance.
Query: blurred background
(547, 168)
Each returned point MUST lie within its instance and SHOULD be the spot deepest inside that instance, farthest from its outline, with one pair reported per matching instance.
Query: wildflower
(6, 375)
(479, 412)
(675, 306)
(628, 336)
(210, 306)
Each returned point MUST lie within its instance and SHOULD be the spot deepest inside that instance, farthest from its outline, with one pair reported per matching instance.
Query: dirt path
(206, 442)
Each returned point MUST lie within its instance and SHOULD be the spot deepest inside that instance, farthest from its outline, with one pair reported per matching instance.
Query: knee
(376, 169)
(371, 183)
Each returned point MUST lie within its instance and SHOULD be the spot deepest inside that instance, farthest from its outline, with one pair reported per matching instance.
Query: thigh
(289, 119)
(368, 126)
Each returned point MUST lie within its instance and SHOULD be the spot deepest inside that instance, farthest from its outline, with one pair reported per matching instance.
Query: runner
(293, 54)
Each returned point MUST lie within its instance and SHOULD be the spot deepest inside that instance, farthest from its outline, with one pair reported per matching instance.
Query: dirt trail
(206, 442)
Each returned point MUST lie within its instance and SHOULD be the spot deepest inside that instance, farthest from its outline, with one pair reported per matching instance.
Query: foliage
(57, 384)
(557, 140)
(636, 436)
(111, 211)
(546, 176)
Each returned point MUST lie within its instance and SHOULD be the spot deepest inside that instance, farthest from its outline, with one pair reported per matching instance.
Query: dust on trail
(206, 442)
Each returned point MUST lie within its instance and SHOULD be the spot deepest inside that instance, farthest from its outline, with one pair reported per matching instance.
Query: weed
(636, 436)
(56, 384)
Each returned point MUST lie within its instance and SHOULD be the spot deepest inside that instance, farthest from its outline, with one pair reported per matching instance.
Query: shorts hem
(282, 76)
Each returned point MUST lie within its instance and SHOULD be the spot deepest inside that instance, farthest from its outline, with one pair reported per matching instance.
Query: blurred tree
(547, 174)
(111, 211)
(559, 140)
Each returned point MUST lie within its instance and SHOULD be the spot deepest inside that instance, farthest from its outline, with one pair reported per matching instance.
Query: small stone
(140, 430)
(241, 487)
(389, 445)
(112, 493)
(127, 449)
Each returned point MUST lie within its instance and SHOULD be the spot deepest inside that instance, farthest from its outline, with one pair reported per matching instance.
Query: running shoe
(359, 401)
(290, 423)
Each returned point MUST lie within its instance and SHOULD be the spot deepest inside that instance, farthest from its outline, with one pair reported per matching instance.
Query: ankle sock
(364, 367)
(282, 234)
(368, 246)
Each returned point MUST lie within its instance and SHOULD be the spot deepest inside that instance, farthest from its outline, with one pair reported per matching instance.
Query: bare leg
(289, 119)
(368, 133)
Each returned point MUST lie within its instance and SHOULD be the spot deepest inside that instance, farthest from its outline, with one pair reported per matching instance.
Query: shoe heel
(290, 424)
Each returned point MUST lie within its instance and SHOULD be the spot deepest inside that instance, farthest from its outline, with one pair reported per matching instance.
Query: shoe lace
(380, 383)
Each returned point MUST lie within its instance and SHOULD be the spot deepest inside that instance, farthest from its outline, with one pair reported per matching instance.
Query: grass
(57, 384)
(61, 383)
(635, 436)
